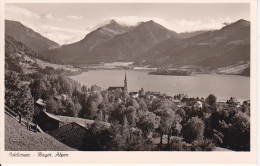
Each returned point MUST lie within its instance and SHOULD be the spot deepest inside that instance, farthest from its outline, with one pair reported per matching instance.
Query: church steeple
(125, 84)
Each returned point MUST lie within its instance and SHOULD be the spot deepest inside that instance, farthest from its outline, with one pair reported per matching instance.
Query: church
(123, 88)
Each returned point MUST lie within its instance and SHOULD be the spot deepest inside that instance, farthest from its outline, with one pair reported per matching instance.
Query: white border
(147, 157)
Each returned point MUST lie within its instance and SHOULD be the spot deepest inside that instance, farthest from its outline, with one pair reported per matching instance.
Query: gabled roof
(40, 102)
(52, 116)
(58, 97)
(79, 121)
(199, 102)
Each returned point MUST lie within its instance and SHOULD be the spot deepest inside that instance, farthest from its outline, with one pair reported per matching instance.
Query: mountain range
(213, 49)
(29, 37)
(147, 44)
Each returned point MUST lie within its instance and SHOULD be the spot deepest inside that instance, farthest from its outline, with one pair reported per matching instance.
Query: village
(72, 131)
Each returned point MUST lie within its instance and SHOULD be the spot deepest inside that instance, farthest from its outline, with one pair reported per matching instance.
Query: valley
(129, 88)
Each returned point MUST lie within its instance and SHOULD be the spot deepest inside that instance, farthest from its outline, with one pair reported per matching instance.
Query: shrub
(203, 145)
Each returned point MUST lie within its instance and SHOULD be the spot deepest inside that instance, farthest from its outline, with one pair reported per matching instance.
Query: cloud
(62, 35)
(40, 23)
(75, 17)
(134, 20)
(127, 21)
(60, 19)
(175, 25)
(12, 12)
(188, 25)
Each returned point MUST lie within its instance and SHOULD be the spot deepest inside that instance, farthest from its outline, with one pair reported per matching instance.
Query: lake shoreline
(197, 85)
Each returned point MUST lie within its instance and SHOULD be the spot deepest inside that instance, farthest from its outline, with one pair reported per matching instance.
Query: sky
(67, 23)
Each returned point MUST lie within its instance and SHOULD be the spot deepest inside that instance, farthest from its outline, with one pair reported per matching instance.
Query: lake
(198, 85)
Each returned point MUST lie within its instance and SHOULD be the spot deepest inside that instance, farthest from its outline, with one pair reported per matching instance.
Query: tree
(177, 144)
(118, 142)
(133, 103)
(169, 124)
(53, 106)
(132, 118)
(148, 122)
(95, 97)
(136, 142)
(18, 96)
(84, 88)
(11, 80)
(38, 89)
(93, 110)
(95, 88)
(202, 145)
(211, 100)
(98, 138)
(25, 103)
(193, 129)
(240, 131)
(69, 107)
(143, 105)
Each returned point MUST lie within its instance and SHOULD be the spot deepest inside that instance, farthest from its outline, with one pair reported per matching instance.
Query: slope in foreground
(18, 138)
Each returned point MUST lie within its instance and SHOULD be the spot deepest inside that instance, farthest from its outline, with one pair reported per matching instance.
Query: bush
(203, 145)
(178, 145)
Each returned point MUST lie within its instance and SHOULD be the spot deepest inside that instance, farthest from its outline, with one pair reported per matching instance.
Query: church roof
(115, 88)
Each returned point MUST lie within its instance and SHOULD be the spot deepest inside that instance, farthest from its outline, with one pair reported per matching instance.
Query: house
(57, 98)
(115, 88)
(176, 102)
(197, 104)
(118, 100)
(169, 97)
(188, 101)
(134, 94)
(64, 97)
(40, 103)
(60, 97)
(182, 104)
(154, 93)
(233, 102)
(72, 134)
(47, 121)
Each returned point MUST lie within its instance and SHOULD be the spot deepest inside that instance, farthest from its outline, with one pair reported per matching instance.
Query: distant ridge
(29, 37)
(133, 43)
(212, 49)
(80, 51)
(148, 43)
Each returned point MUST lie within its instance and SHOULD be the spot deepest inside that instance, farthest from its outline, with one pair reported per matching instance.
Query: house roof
(115, 88)
(52, 116)
(199, 102)
(40, 102)
(58, 97)
(63, 95)
(79, 121)
(134, 93)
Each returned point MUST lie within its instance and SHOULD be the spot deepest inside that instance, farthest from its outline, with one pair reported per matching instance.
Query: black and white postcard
(129, 82)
